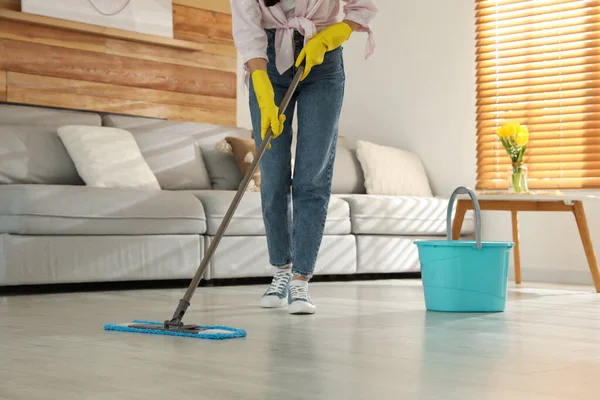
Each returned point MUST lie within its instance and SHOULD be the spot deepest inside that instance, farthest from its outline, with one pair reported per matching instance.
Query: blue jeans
(295, 231)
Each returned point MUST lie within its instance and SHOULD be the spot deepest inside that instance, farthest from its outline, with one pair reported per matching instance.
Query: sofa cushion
(225, 174)
(177, 151)
(348, 175)
(392, 171)
(45, 259)
(107, 157)
(82, 210)
(30, 149)
(393, 215)
(169, 148)
(35, 154)
(51, 118)
(386, 254)
(244, 151)
(224, 171)
(248, 256)
(248, 219)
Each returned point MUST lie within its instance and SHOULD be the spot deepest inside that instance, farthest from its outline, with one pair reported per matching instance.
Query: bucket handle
(464, 190)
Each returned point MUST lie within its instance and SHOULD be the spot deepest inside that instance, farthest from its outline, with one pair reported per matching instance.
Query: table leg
(459, 218)
(588, 246)
(517, 248)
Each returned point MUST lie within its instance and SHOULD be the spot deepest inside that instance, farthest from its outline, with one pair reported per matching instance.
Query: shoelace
(299, 292)
(279, 283)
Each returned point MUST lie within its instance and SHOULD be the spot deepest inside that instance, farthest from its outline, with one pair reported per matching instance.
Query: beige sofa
(54, 229)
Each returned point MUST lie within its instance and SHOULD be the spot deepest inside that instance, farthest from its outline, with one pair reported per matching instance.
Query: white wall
(418, 92)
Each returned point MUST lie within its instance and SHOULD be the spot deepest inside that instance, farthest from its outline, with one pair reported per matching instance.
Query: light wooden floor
(369, 340)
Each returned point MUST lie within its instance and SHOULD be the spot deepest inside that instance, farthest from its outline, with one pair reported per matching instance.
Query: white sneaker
(276, 294)
(298, 299)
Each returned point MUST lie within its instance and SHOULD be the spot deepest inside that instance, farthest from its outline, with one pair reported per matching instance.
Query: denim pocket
(332, 66)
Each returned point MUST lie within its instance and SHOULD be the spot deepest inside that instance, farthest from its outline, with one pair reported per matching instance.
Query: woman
(274, 38)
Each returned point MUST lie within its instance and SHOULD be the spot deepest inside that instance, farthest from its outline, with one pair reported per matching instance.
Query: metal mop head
(192, 331)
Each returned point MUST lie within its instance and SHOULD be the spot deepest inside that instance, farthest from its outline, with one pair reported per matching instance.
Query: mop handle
(240, 192)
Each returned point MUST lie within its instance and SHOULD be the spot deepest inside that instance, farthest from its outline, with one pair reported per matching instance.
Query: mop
(175, 326)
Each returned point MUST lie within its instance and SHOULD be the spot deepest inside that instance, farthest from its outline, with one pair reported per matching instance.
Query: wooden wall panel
(219, 48)
(200, 59)
(51, 36)
(193, 79)
(76, 40)
(14, 5)
(221, 6)
(84, 65)
(68, 93)
(35, 82)
(213, 46)
(3, 85)
(189, 22)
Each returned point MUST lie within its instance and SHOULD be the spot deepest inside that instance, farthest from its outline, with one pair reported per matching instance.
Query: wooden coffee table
(533, 202)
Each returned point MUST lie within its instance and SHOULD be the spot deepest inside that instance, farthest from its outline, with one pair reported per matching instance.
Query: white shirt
(288, 7)
(251, 18)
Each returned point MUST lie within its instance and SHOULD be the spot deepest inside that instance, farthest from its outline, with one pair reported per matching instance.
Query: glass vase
(517, 178)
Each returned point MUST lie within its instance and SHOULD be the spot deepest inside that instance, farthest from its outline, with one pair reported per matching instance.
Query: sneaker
(276, 294)
(298, 299)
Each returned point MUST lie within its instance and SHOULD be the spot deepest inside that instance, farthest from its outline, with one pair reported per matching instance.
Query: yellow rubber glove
(328, 39)
(269, 112)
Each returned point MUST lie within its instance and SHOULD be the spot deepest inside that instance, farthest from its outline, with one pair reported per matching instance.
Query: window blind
(538, 62)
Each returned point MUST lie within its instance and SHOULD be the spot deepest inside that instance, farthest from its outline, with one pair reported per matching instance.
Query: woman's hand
(328, 39)
(269, 112)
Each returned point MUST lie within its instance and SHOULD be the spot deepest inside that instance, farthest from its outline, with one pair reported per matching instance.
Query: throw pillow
(171, 148)
(107, 157)
(222, 168)
(347, 172)
(392, 171)
(244, 151)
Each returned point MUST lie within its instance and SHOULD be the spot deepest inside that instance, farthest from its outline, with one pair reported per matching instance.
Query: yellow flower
(509, 129)
(522, 137)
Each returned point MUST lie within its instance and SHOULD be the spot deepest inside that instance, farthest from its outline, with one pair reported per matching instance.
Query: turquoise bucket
(462, 275)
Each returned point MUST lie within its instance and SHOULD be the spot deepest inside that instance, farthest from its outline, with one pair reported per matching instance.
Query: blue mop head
(209, 332)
